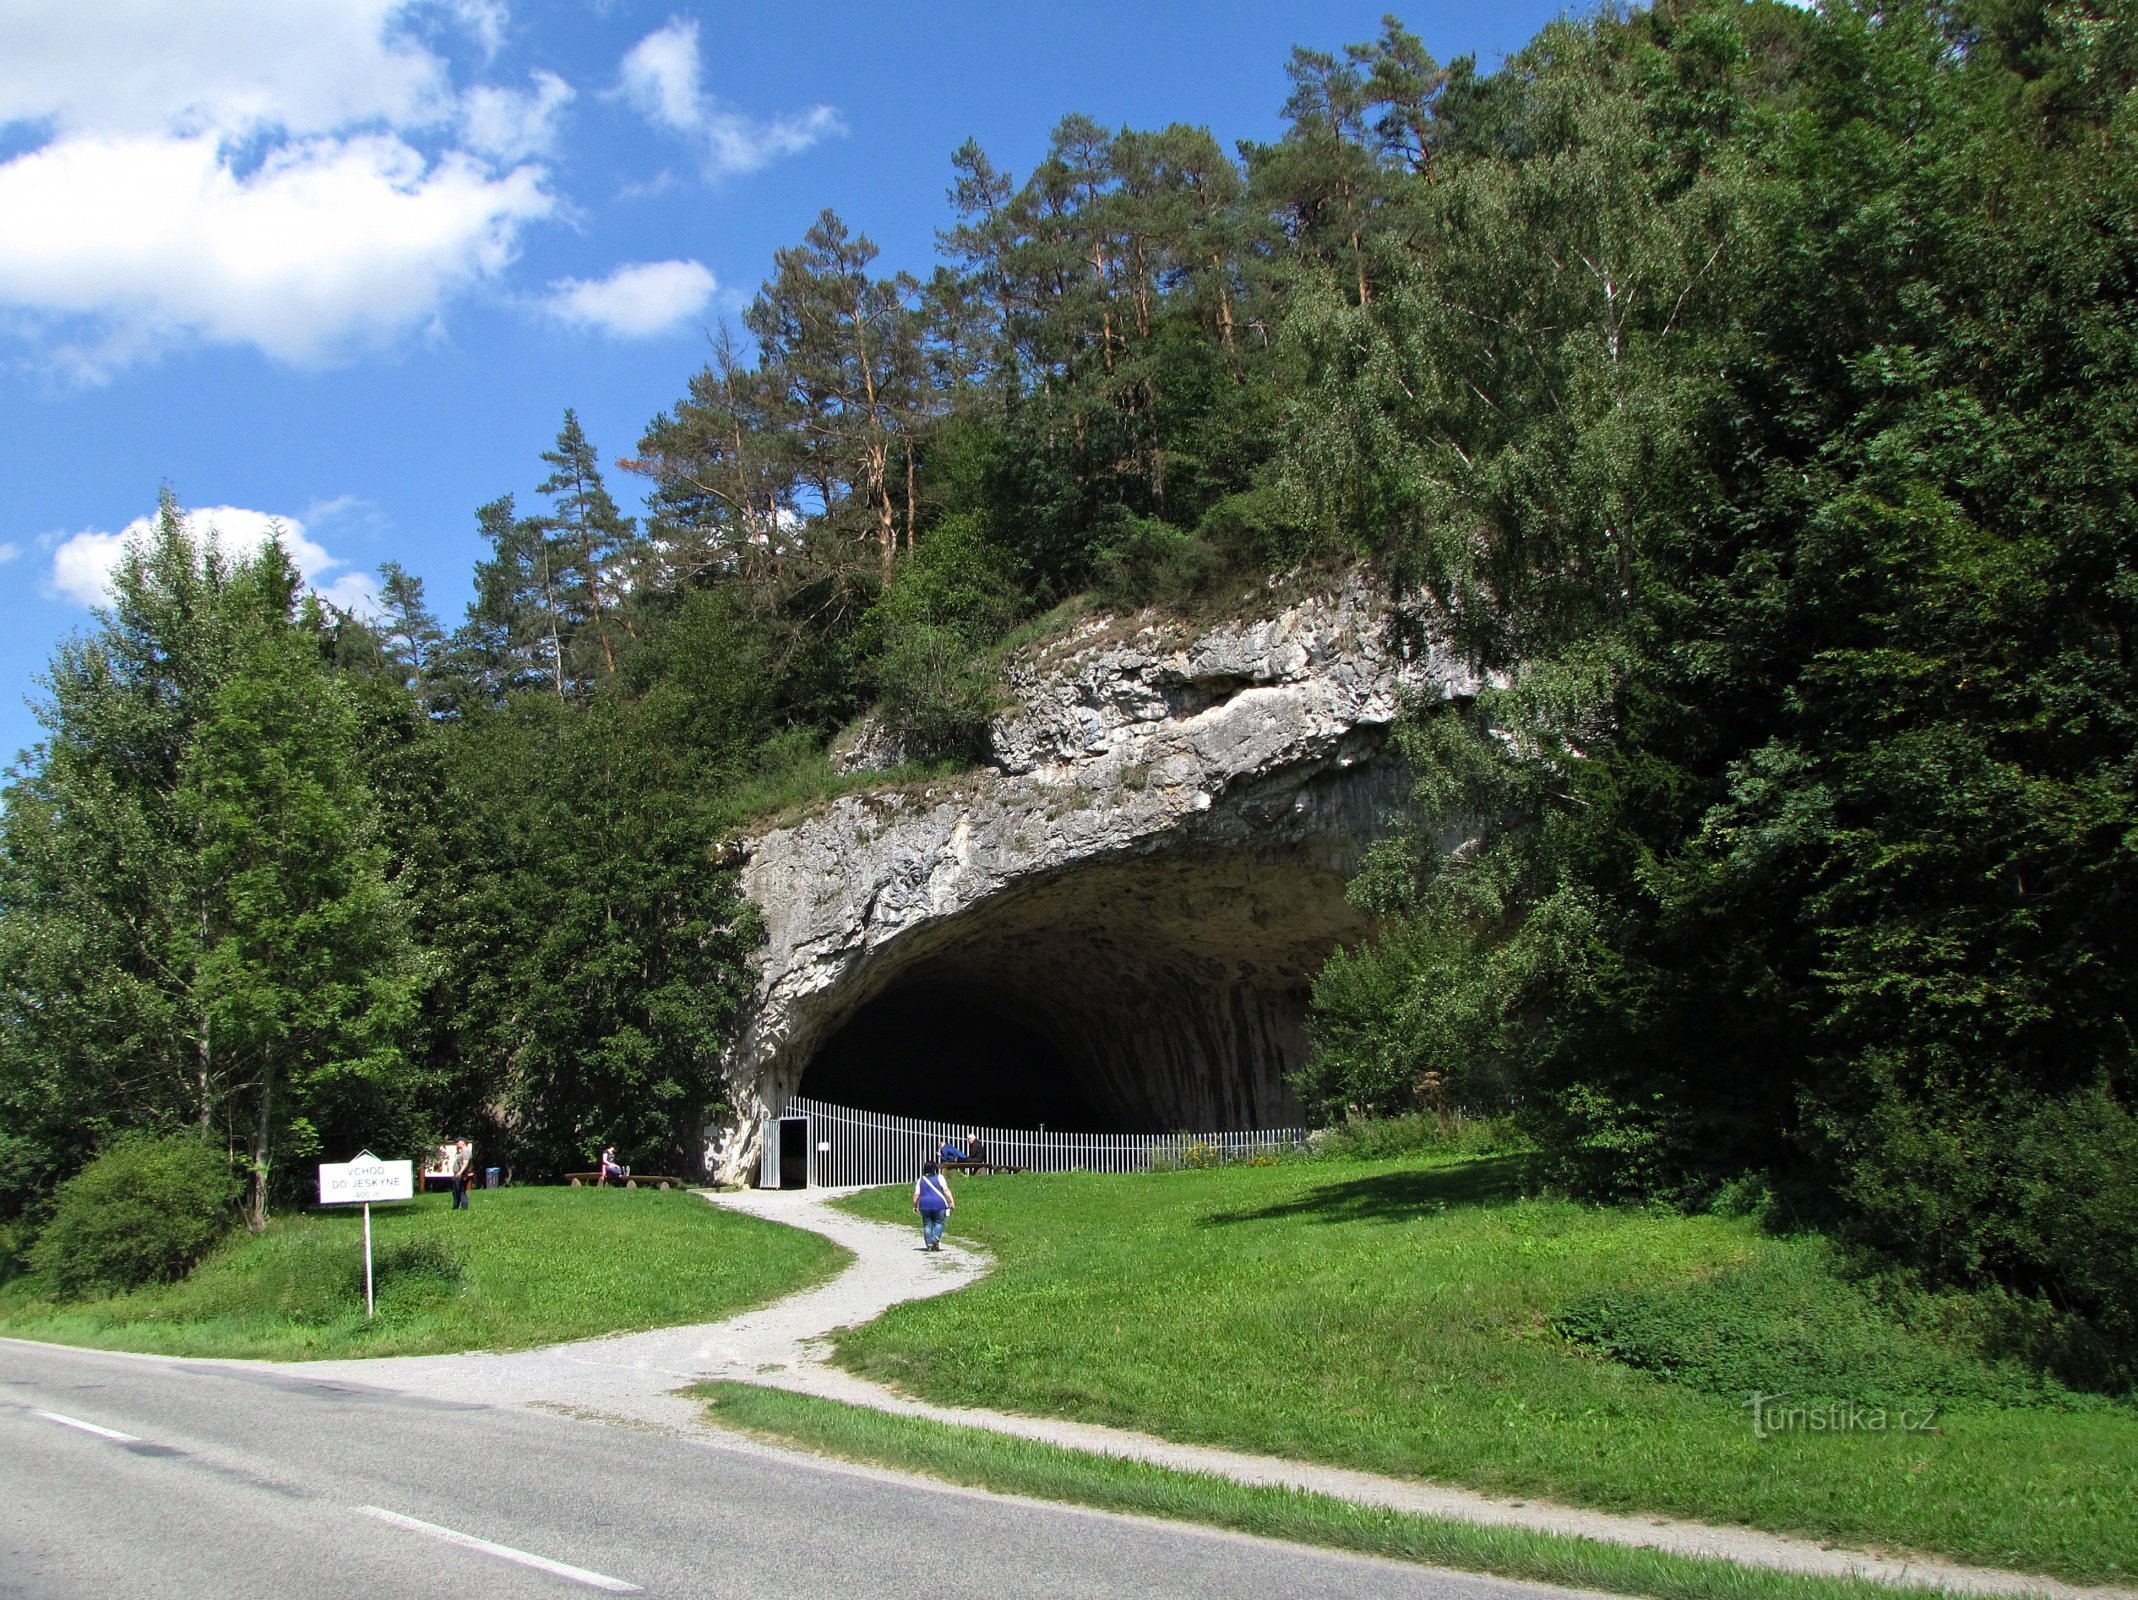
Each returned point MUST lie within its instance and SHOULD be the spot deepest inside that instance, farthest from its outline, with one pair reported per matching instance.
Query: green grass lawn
(985, 1460)
(1404, 1317)
(520, 1267)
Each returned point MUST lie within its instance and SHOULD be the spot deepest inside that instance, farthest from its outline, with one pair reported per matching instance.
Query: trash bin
(489, 1177)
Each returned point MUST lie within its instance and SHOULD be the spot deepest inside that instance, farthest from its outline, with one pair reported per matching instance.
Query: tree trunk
(549, 602)
(593, 586)
(204, 1071)
(911, 494)
(257, 1220)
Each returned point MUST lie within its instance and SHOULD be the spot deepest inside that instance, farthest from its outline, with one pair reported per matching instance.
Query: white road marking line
(504, 1552)
(112, 1434)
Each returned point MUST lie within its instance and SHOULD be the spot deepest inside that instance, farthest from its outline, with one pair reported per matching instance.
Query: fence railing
(845, 1147)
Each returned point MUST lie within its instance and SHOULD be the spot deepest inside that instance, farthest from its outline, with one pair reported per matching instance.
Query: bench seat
(652, 1180)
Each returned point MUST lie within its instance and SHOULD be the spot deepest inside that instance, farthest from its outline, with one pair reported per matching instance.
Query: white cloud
(328, 243)
(83, 563)
(635, 301)
(660, 76)
(510, 124)
(354, 592)
(9, 551)
(662, 79)
(279, 173)
(82, 566)
(484, 21)
(132, 66)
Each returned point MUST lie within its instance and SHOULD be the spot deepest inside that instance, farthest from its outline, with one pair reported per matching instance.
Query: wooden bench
(592, 1180)
(981, 1166)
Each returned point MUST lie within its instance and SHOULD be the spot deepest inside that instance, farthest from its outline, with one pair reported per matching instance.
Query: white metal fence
(847, 1147)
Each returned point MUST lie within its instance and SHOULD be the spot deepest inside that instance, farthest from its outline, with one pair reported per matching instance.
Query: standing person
(463, 1160)
(931, 1198)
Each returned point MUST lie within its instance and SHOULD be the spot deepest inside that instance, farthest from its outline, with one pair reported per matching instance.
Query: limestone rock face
(1148, 870)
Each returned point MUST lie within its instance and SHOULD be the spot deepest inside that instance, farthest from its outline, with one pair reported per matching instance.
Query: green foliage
(1418, 1133)
(2042, 1192)
(1748, 392)
(197, 923)
(597, 942)
(1144, 561)
(1789, 1325)
(144, 1211)
(934, 620)
(1758, 396)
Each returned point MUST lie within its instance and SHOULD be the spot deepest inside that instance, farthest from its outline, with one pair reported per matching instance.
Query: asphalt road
(121, 1477)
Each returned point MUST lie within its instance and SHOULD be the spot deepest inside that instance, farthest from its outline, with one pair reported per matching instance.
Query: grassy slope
(535, 1266)
(1005, 1465)
(1397, 1318)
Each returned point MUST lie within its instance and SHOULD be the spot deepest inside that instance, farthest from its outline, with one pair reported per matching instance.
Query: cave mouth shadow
(1398, 1196)
(953, 1053)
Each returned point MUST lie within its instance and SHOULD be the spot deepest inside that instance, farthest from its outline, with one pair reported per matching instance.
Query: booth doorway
(794, 1152)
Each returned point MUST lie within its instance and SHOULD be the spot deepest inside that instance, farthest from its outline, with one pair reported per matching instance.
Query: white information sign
(366, 1179)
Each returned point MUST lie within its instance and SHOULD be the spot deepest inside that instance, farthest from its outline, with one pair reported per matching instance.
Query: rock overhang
(1149, 868)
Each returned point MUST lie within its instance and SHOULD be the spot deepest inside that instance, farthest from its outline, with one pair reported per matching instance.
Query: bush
(2034, 1196)
(932, 624)
(142, 1212)
(1145, 562)
(1789, 1324)
(1188, 1153)
(15, 1240)
(1420, 1133)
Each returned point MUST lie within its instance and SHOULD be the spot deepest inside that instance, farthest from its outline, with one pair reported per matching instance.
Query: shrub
(1188, 1153)
(2033, 1196)
(1419, 1133)
(937, 686)
(15, 1240)
(142, 1212)
(1789, 1324)
(1145, 562)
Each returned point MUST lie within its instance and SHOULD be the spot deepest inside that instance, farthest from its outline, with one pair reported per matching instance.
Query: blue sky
(344, 263)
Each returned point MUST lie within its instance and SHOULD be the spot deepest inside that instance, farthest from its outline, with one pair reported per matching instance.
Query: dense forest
(1751, 391)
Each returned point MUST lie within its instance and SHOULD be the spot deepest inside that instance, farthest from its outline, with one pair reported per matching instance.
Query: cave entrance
(1140, 996)
(952, 1053)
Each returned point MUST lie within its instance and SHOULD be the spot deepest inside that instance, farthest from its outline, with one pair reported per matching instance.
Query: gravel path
(633, 1378)
(804, 1368)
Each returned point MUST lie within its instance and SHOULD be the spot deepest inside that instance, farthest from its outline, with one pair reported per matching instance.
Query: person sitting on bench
(975, 1149)
(950, 1150)
(609, 1169)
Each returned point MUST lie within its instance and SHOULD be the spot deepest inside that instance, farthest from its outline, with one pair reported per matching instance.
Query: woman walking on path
(931, 1198)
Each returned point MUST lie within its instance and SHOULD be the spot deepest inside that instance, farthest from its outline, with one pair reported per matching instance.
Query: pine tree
(409, 634)
(847, 351)
(517, 627)
(587, 538)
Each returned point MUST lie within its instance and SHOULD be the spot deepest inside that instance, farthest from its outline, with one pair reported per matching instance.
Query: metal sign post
(360, 1182)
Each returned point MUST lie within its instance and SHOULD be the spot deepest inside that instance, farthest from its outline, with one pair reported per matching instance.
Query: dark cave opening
(952, 1053)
